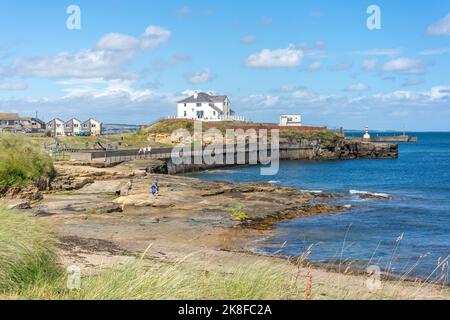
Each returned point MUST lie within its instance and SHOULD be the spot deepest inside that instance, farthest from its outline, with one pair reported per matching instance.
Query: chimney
(195, 94)
(210, 93)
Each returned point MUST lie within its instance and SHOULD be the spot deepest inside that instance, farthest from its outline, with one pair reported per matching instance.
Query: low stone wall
(342, 150)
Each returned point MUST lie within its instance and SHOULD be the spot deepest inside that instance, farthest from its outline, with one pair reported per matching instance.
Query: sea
(404, 231)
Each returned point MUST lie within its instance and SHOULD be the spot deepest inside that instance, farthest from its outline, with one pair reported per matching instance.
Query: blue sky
(132, 60)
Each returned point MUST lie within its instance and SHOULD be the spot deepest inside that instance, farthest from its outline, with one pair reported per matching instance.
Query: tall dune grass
(22, 161)
(27, 254)
(141, 280)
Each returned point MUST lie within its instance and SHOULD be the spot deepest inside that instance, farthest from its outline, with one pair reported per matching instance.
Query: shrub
(22, 161)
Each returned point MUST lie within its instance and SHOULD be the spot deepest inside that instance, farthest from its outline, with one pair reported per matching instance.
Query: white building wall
(56, 127)
(290, 120)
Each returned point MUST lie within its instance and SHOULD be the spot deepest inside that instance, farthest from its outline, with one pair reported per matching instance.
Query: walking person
(129, 187)
(154, 191)
(157, 184)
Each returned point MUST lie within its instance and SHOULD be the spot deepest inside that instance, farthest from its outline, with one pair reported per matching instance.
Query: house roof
(9, 116)
(56, 119)
(203, 97)
(215, 108)
(74, 119)
(91, 119)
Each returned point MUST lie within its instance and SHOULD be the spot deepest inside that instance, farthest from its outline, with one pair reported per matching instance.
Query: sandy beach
(208, 224)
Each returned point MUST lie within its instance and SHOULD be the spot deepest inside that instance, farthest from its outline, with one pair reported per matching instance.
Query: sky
(131, 61)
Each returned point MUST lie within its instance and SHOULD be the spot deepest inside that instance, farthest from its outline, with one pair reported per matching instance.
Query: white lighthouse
(366, 133)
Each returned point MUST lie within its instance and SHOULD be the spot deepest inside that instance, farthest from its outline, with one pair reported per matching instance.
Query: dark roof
(215, 108)
(203, 97)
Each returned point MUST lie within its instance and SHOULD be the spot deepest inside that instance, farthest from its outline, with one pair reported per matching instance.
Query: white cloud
(278, 58)
(439, 93)
(342, 66)
(10, 86)
(314, 66)
(380, 52)
(440, 28)
(80, 64)
(405, 66)
(436, 95)
(248, 39)
(117, 41)
(108, 60)
(412, 82)
(369, 64)
(201, 77)
(258, 101)
(358, 87)
(154, 36)
(430, 52)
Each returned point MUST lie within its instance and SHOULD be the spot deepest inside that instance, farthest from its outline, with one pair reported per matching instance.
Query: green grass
(22, 161)
(122, 141)
(29, 270)
(168, 127)
(142, 280)
(237, 214)
(27, 256)
(326, 137)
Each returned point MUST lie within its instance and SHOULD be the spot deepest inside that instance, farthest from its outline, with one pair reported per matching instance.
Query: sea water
(405, 230)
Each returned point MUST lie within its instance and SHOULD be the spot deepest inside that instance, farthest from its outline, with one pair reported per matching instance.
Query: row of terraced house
(15, 123)
(74, 127)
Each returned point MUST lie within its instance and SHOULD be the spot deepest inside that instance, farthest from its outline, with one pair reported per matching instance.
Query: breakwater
(302, 149)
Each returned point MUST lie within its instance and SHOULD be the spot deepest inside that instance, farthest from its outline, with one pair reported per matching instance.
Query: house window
(94, 125)
(58, 126)
(185, 114)
(49, 125)
(185, 105)
(199, 104)
(75, 125)
(200, 114)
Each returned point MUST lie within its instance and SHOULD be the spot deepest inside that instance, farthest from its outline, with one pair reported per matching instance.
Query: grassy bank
(27, 255)
(22, 161)
(29, 270)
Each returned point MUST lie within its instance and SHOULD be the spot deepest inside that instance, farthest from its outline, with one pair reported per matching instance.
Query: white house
(92, 126)
(206, 107)
(56, 127)
(72, 127)
(287, 120)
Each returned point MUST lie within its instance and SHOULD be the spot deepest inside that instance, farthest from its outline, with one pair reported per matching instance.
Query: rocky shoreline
(216, 223)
